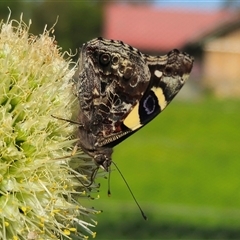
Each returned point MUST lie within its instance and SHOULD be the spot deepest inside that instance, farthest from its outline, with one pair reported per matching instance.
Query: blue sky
(202, 4)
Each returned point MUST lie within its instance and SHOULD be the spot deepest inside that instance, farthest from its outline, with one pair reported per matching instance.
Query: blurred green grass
(183, 167)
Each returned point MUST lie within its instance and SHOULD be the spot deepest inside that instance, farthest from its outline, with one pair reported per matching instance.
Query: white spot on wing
(157, 73)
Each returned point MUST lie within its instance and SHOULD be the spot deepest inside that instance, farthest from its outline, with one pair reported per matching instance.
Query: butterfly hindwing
(167, 77)
(120, 90)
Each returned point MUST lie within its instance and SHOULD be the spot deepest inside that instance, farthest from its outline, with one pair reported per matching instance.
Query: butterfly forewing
(120, 90)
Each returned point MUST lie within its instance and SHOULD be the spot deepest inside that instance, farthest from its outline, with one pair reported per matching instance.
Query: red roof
(152, 28)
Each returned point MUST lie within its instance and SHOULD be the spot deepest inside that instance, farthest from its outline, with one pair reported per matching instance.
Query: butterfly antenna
(109, 192)
(143, 215)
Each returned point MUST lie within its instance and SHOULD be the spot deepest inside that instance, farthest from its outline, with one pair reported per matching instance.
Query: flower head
(37, 189)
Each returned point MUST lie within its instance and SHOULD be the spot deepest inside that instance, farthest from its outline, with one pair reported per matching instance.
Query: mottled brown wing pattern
(120, 90)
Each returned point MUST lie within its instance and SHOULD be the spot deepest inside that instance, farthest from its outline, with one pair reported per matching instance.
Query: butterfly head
(103, 158)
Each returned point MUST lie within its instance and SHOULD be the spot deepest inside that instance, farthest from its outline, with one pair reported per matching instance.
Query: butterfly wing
(168, 75)
(113, 79)
(120, 90)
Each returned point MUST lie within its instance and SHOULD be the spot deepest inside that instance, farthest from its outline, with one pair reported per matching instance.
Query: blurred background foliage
(74, 22)
(183, 167)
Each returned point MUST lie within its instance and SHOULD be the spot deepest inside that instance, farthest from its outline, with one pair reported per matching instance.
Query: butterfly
(120, 90)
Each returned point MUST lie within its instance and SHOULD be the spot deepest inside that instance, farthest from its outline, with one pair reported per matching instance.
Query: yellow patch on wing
(160, 96)
(132, 121)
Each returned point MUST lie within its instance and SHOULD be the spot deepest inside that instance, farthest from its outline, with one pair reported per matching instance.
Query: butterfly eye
(104, 58)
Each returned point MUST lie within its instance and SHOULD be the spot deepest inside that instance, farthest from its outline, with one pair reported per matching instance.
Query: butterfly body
(120, 90)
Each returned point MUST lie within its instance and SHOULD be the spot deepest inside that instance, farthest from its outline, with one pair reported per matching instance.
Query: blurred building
(213, 38)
